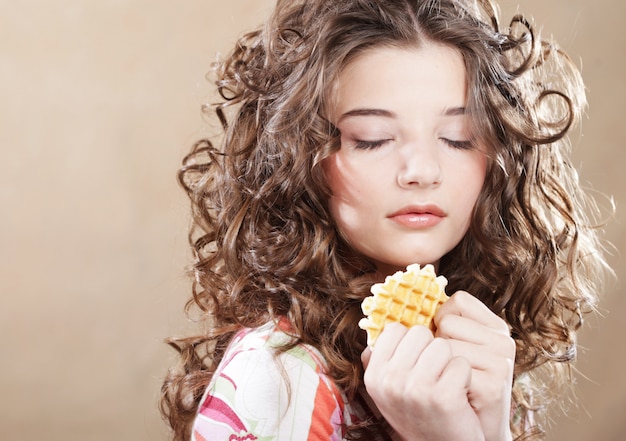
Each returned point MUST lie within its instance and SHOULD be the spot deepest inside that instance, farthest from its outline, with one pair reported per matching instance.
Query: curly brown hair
(265, 245)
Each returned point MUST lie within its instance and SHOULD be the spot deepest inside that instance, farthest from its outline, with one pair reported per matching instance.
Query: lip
(418, 216)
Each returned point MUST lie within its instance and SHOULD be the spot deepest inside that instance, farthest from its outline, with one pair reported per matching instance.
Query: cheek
(475, 170)
(344, 181)
(334, 174)
(477, 185)
(477, 180)
(348, 204)
(470, 180)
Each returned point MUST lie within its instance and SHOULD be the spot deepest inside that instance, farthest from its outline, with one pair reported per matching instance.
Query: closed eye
(369, 145)
(461, 145)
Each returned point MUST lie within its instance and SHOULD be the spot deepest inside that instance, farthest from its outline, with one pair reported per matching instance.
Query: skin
(407, 175)
(404, 183)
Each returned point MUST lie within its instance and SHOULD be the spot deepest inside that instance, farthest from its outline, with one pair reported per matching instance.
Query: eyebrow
(367, 112)
(453, 111)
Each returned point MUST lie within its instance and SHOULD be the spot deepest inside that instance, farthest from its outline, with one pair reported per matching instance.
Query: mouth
(418, 216)
(431, 209)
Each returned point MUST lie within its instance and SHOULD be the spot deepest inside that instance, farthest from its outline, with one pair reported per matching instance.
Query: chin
(388, 268)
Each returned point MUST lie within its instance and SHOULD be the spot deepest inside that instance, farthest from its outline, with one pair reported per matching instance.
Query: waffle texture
(411, 297)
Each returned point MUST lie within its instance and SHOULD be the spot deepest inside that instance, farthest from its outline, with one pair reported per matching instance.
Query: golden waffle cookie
(411, 298)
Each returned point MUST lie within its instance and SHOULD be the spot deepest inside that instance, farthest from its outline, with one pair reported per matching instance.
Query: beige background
(98, 103)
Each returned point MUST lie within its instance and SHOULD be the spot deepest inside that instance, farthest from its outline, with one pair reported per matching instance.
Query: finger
(466, 305)
(485, 389)
(386, 345)
(457, 375)
(409, 349)
(433, 360)
(467, 330)
(482, 357)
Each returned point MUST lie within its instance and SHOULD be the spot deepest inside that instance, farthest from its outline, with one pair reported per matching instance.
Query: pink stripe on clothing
(258, 394)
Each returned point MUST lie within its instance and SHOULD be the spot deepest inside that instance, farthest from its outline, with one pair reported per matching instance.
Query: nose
(420, 165)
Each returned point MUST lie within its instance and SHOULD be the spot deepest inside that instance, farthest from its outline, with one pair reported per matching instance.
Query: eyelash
(371, 145)
(461, 145)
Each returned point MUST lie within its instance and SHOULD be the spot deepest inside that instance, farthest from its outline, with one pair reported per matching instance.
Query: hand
(481, 338)
(420, 386)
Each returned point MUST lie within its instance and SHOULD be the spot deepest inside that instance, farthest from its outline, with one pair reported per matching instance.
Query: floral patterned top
(256, 394)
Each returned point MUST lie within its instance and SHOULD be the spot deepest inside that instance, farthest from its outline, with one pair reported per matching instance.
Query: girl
(361, 136)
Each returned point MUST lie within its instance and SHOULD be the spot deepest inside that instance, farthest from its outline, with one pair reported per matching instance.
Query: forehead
(402, 76)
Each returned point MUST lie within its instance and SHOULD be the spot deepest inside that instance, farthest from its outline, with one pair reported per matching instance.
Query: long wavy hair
(266, 247)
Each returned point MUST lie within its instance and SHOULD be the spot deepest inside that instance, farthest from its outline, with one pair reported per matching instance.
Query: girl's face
(408, 173)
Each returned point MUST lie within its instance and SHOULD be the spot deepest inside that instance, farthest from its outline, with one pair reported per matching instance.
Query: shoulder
(259, 350)
(259, 390)
(255, 359)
